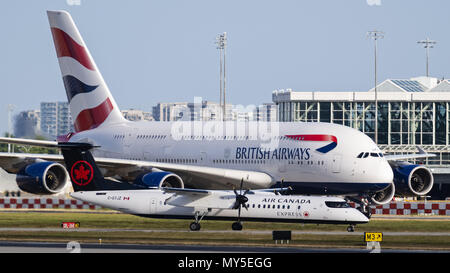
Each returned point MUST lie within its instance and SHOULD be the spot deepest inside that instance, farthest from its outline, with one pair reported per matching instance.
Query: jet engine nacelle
(385, 196)
(159, 180)
(411, 179)
(42, 178)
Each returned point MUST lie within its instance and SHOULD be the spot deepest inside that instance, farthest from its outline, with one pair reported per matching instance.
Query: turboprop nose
(359, 217)
(76, 195)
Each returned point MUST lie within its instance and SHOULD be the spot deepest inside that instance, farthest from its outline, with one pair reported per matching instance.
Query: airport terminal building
(411, 112)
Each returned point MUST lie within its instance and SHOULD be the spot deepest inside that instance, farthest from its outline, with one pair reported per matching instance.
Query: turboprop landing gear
(351, 228)
(195, 226)
(236, 226)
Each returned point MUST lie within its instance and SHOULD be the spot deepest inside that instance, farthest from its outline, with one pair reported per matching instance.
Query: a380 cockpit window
(363, 155)
(337, 204)
(366, 154)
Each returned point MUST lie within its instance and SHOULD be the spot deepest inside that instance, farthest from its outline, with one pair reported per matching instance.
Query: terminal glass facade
(407, 113)
(401, 125)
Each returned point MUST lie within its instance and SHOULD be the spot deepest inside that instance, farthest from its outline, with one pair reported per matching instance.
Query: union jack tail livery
(90, 100)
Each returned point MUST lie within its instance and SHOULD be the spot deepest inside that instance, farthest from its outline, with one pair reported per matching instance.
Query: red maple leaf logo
(81, 173)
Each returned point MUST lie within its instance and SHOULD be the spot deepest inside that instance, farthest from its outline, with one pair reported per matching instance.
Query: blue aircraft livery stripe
(74, 87)
(327, 148)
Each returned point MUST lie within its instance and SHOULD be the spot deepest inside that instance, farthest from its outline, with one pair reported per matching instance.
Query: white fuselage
(261, 206)
(297, 161)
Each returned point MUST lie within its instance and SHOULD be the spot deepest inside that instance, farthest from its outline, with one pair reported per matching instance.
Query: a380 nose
(385, 173)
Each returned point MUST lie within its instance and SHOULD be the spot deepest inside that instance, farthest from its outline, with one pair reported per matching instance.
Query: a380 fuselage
(312, 158)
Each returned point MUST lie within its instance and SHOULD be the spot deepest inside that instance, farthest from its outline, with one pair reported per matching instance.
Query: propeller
(241, 200)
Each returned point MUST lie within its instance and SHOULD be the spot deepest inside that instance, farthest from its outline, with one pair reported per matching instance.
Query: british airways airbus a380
(311, 158)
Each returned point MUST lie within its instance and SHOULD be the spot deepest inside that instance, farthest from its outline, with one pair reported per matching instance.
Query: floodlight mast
(375, 35)
(221, 42)
(10, 110)
(427, 44)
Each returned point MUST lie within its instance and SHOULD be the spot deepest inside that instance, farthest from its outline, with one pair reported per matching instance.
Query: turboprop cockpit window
(360, 155)
(337, 204)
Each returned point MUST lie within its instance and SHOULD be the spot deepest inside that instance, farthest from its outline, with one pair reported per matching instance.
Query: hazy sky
(164, 51)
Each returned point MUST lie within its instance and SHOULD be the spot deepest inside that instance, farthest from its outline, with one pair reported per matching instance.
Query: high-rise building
(198, 110)
(266, 112)
(212, 111)
(27, 124)
(55, 119)
(169, 111)
(136, 115)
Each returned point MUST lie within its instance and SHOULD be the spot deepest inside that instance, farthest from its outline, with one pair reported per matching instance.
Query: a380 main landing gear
(364, 205)
(364, 208)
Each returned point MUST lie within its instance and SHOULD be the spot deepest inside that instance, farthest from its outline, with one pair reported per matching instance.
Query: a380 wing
(193, 176)
(421, 154)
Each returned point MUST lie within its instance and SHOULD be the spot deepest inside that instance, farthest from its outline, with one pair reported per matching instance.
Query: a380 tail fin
(91, 103)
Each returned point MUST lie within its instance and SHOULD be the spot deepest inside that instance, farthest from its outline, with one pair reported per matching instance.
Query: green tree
(27, 148)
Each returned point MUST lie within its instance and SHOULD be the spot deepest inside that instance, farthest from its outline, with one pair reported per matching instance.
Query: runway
(74, 247)
(249, 232)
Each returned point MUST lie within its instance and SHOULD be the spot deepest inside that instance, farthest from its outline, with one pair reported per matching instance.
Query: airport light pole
(375, 35)
(427, 44)
(10, 110)
(221, 42)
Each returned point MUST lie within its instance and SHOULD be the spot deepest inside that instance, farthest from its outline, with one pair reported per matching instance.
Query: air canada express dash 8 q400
(183, 203)
(311, 158)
